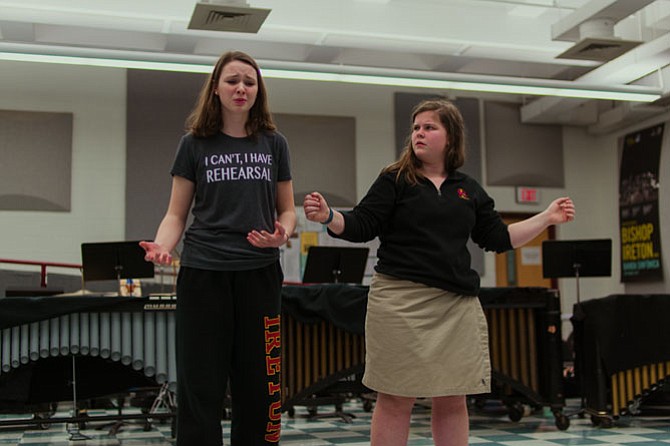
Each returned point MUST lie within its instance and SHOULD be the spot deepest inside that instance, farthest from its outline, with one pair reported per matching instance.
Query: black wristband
(330, 218)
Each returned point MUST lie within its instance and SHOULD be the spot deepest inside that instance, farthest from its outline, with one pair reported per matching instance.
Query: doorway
(522, 267)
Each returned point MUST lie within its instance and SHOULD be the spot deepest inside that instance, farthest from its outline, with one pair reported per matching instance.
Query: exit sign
(530, 195)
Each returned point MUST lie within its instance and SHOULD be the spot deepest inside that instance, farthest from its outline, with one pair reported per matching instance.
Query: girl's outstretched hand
(561, 210)
(315, 207)
(265, 239)
(156, 253)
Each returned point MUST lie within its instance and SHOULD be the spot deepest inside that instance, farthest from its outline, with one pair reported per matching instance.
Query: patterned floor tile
(487, 429)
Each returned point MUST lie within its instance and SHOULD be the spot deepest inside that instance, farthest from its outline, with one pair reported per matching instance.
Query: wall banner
(638, 206)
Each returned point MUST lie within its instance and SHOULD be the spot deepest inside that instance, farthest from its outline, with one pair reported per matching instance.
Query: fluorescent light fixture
(465, 85)
(110, 63)
(361, 75)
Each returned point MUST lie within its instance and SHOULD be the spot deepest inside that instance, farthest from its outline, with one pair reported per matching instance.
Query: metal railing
(43, 267)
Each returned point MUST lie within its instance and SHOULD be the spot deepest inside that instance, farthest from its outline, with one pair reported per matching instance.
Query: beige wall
(96, 98)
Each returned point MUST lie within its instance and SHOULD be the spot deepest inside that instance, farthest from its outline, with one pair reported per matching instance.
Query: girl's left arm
(560, 211)
(285, 223)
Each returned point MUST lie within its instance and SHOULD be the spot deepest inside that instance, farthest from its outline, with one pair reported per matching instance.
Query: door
(522, 267)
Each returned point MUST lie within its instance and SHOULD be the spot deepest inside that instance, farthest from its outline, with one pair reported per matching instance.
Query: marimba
(622, 352)
(525, 345)
(315, 357)
(323, 342)
(630, 386)
(323, 345)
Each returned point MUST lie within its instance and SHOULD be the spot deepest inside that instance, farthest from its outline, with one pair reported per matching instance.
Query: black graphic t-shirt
(235, 191)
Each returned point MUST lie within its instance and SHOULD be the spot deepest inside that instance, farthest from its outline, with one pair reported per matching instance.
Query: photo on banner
(638, 206)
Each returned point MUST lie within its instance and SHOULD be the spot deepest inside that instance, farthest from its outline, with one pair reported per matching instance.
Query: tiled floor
(490, 427)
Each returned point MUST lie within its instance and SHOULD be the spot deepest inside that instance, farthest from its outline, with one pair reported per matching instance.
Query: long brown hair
(206, 119)
(452, 120)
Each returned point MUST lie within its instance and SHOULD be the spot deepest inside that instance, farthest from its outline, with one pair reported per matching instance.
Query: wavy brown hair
(206, 119)
(408, 164)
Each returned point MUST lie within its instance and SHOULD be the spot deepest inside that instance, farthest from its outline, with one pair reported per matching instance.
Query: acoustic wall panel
(35, 161)
(323, 156)
(520, 154)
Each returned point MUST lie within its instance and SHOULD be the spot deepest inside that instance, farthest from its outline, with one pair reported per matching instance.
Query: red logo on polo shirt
(462, 194)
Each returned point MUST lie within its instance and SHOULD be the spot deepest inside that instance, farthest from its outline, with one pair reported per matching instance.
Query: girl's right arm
(364, 222)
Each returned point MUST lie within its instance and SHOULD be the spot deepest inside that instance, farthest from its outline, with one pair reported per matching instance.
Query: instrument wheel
(562, 421)
(43, 426)
(51, 410)
(515, 412)
(604, 422)
(82, 413)
(367, 405)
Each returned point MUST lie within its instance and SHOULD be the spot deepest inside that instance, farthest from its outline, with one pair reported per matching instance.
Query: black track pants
(228, 328)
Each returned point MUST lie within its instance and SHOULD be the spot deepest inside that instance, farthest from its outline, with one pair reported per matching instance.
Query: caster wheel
(606, 423)
(367, 405)
(562, 422)
(42, 426)
(515, 412)
(311, 411)
(603, 422)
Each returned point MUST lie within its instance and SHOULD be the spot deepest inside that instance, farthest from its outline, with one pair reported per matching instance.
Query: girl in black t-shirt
(232, 168)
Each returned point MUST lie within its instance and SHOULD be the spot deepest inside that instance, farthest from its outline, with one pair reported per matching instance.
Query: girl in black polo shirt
(425, 332)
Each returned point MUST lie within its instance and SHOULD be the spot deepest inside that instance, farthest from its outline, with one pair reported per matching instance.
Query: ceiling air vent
(222, 17)
(598, 49)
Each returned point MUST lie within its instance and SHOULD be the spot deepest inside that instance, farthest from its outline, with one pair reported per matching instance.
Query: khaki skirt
(423, 341)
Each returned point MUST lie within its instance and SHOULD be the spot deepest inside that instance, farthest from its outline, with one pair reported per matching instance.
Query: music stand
(335, 264)
(114, 261)
(577, 258)
(108, 261)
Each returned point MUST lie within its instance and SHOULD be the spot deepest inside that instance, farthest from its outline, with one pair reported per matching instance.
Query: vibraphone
(622, 348)
(135, 332)
(525, 349)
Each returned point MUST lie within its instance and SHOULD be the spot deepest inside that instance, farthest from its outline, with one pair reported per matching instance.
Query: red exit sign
(527, 195)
